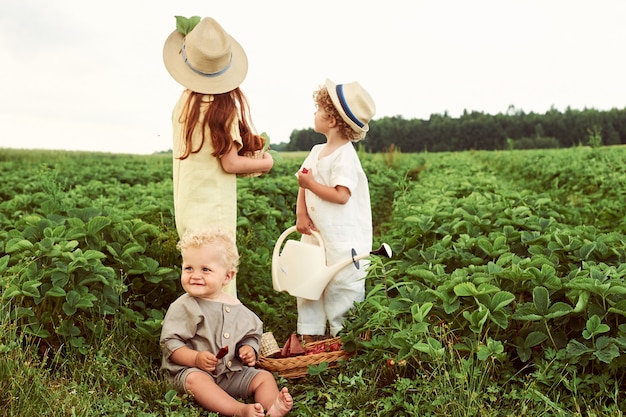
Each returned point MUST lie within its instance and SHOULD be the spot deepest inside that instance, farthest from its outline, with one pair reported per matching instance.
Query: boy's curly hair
(222, 240)
(324, 102)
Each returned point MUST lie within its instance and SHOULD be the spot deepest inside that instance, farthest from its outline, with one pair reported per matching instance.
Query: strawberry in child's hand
(222, 352)
(305, 171)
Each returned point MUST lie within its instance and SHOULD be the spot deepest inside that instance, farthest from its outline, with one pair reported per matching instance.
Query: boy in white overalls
(334, 200)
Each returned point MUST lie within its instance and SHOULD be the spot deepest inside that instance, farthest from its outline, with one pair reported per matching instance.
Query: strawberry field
(506, 294)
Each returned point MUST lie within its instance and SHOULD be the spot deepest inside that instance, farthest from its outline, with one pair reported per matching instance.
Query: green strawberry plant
(507, 267)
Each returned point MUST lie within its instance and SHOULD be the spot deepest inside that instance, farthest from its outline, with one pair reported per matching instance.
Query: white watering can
(301, 270)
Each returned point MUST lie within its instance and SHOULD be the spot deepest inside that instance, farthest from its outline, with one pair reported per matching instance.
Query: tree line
(514, 129)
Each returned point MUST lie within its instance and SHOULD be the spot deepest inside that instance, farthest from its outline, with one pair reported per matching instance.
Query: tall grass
(112, 379)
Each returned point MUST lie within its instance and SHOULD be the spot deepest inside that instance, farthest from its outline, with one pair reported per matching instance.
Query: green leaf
(500, 318)
(69, 309)
(500, 300)
(585, 250)
(617, 288)
(276, 156)
(534, 339)
(91, 254)
(541, 300)
(182, 24)
(436, 347)
(606, 350)
(421, 273)
(4, 262)
(36, 329)
(56, 292)
(492, 348)
(131, 249)
(524, 353)
(266, 141)
(546, 276)
(451, 304)
(494, 268)
(67, 328)
(31, 288)
(581, 304)
(74, 301)
(594, 326)
(465, 289)
(431, 347)
(476, 319)
(619, 308)
(558, 309)
(171, 396)
(526, 312)
(59, 278)
(17, 244)
(143, 265)
(316, 370)
(11, 292)
(420, 312)
(469, 289)
(97, 224)
(185, 25)
(575, 348)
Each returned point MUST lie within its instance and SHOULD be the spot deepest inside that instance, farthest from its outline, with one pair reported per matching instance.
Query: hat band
(345, 107)
(205, 74)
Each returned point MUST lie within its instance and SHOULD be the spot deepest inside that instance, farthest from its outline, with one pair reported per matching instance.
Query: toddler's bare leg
(265, 391)
(282, 405)
(212, 398)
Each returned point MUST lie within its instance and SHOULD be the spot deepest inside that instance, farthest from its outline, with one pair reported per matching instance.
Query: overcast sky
(87, 75)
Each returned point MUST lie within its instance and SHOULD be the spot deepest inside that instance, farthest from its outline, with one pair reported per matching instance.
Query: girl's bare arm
(233, 163)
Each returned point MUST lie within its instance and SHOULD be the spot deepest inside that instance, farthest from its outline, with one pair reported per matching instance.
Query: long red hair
(219, 117)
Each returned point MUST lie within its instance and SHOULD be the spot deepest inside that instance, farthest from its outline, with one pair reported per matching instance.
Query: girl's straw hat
(208, 60)
(353, 103)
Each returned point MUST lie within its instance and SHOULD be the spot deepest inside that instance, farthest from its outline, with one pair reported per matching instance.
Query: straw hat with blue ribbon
(354, 104)
(207, 59)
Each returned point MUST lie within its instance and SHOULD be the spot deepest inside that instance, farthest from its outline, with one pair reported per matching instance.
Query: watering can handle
(293, 229)
(278, 245)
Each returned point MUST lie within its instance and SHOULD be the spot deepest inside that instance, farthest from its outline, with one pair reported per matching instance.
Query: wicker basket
(297, 366)
(254, 155)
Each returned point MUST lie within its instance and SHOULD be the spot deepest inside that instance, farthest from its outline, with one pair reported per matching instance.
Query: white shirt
(342, 226)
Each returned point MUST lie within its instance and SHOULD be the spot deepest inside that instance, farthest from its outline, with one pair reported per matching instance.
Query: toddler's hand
(247, 355)
(305, 178)
(304, 225)
(206, 361)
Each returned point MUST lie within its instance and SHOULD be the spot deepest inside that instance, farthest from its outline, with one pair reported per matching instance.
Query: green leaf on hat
(185, 25)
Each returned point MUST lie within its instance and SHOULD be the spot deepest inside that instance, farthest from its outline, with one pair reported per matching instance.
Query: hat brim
(178, 69)
(332, 92)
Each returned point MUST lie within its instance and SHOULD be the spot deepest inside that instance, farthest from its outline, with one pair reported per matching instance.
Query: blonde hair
(323, 101)
(221, 240)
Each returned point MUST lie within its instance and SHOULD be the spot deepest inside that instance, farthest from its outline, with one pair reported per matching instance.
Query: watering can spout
(301, 268)
(384, 250)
